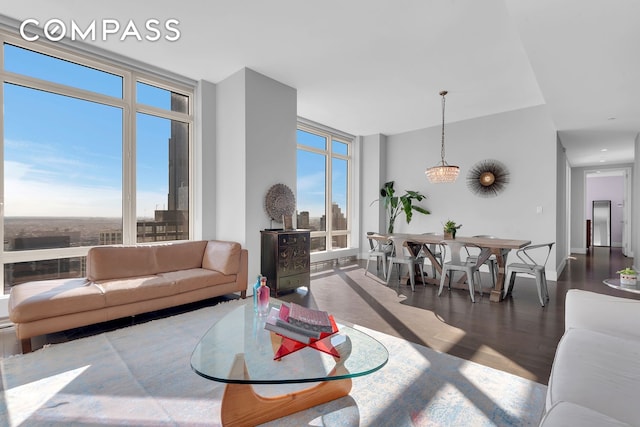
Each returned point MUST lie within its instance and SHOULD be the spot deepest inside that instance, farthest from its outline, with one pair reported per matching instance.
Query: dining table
(499, 247)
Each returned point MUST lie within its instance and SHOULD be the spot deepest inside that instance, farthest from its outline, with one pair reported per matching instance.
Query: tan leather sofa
(124, 281)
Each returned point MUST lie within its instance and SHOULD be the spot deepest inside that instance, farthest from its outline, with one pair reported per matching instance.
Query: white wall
(271, 153)
(635, 219)
(578, 227)
(256, 148)
(271, 139)
(562, 209)
(204, 155)
(524, 140)
(230, 166)
(373, 172)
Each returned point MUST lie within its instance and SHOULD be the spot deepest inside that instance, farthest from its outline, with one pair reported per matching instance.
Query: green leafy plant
(451, 227)
(394, 205)
(628, 270)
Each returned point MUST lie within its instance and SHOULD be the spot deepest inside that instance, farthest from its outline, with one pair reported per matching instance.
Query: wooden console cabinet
(284, 259)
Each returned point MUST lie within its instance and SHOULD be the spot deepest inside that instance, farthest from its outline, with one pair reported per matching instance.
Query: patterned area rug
(140, 376)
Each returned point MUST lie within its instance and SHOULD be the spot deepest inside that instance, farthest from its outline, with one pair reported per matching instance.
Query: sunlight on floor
(502, 362)
(42, 391)
(481, 355)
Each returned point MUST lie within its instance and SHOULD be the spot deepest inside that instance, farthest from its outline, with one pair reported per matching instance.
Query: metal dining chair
(400, 255)
(456, 263)
(491, 262)
(531, 267)
(380, 250)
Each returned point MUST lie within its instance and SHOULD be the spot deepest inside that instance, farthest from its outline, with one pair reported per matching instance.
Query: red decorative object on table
(289, 345)
(302, 331)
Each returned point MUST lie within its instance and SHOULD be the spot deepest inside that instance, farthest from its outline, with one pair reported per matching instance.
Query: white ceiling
(376, 66)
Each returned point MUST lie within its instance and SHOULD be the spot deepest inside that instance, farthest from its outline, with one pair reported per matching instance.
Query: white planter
(628, 279)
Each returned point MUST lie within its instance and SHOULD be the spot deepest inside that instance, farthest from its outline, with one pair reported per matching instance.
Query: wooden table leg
(484, 255)
(501, 256)
(427, 251)
(242, 406)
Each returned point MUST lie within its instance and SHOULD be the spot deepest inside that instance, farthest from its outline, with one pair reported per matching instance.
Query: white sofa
(595, 378)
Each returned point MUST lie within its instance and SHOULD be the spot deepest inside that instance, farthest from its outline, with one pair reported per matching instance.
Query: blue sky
(312, 176)
(64, 155)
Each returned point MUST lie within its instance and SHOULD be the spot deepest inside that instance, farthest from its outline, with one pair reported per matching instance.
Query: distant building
(320, 224)
(339, 222)
(20, 272)
(110, 238)
(173, 223)
(303, 220)
(167, 225)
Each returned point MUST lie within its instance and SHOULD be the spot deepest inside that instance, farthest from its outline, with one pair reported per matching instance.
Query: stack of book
(299, 323)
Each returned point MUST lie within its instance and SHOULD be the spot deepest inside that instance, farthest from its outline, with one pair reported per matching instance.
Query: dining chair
(435, 250)
(531, 267)
(380, 250)
(457, 249)
(401, 255)
(491, 262)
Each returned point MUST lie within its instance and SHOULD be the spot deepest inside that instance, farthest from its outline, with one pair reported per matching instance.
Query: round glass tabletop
(240, 336)
(615, 283)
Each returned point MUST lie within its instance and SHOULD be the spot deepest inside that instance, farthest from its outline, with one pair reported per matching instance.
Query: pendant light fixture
(442, 172)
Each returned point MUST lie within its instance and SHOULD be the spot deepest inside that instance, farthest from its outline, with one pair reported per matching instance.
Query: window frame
(332, 135)
(83, 56)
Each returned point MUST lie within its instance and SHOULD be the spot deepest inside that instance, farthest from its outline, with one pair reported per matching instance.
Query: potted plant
(450, 228)
(394, 205)
(628, 276)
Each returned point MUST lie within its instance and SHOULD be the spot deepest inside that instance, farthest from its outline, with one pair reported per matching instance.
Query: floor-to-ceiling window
(93, 153)
(323, 182)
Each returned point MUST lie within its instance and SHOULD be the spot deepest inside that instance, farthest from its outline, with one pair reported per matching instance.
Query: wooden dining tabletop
(489, 246)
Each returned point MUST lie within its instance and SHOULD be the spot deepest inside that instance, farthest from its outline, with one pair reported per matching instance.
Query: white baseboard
(578, 250)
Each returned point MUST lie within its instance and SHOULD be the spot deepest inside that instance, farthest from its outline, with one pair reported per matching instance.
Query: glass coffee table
(616, 284)
(238, 351)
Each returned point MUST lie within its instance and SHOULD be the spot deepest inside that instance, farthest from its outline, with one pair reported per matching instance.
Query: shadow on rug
(141, 376)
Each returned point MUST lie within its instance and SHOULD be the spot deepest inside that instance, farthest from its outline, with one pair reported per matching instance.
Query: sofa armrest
(222, 256)
(602, 313)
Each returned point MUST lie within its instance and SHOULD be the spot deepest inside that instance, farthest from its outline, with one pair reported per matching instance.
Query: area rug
(141, 376)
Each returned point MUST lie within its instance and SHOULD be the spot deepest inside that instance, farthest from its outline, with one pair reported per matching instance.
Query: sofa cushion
(603, 313)
(134, 289)
(50, 298)
(222, 256)
(566, 414)
(117, 262)
(197, 278)
(597, 371)
(179, 256)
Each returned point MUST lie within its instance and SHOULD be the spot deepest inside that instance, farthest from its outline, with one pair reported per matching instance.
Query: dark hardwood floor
(516, 335)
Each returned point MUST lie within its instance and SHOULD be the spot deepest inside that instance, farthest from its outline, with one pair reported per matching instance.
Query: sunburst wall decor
(487, 178)
(279, 202)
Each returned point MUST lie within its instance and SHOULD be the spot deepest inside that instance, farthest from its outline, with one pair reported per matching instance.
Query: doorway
(612, 186)
(601, 221)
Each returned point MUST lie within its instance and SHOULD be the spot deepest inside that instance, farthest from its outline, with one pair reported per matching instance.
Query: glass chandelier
(443, 171)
